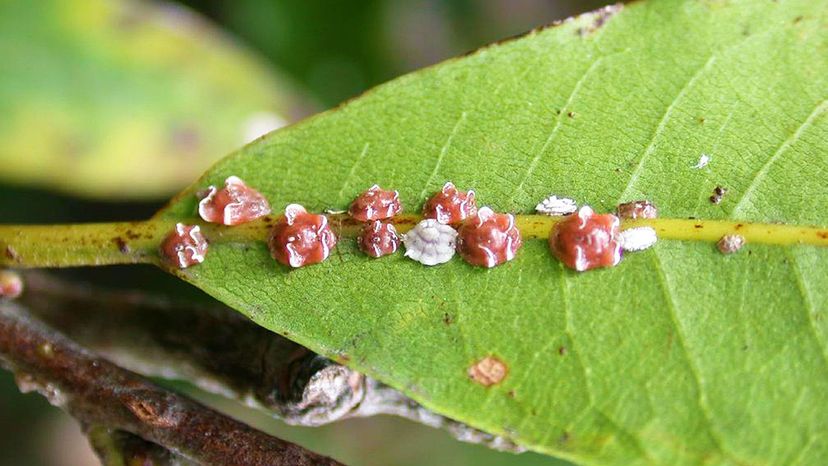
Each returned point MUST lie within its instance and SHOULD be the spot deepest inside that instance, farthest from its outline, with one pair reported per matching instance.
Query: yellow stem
(24, 246)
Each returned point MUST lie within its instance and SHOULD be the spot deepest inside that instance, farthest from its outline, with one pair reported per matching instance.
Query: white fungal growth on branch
(555, 206)
(638, 239)
(430, 242)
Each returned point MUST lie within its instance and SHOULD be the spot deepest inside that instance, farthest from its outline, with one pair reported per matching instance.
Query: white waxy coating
(703, 161)
(198, 240)
(638, 239)
(555, 206)
(430, 242)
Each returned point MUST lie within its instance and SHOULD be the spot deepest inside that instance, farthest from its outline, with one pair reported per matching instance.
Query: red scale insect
(585, 241)
(185, 246)
(450, 206)
(379, 239)
(488, 239)
(300, 238)
(375, 204)
(234, 204)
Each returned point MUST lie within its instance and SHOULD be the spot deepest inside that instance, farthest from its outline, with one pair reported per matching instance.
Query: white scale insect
(430, 242)
(555, 206)
(638, 238)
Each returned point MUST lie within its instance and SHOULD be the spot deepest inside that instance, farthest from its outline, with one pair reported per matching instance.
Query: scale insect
(556, 206)
(430, 242)
(638, 238)
(185, 246)
(300, 238)
(586, 240)
(378, 239)
(637, 209)
(450, 206)
(728, 244)
(234, 204)
(375, 204)
(488, 239)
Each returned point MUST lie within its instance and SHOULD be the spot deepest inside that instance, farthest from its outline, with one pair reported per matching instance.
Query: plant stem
(97, 392)
(27, 246)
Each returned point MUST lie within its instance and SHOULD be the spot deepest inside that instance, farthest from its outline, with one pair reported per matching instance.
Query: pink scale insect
(185, 246)
(300, 238)
(586, 240)
(234, 204)
(378, 239)
(488, 239)
(450, 206)
(375, 204)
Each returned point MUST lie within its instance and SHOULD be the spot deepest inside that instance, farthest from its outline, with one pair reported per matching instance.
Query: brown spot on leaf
(718, 194)
(447, 319)
(823, 234)
(488, 371)
(562, 350)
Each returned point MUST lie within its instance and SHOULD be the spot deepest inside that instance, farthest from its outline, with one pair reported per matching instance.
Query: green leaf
(124, 99)
(679, 355)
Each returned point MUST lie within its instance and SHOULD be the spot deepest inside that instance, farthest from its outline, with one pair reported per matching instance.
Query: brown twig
(98, 392)
(119, 448)
(222, 352)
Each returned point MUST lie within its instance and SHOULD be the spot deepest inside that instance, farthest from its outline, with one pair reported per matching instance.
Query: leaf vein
(763, 171)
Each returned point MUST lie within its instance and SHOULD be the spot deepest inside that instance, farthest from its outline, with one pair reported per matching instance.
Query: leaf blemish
(488, 371)
(718, 194)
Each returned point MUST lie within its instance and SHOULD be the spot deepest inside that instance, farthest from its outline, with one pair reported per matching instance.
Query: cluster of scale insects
(452, 224)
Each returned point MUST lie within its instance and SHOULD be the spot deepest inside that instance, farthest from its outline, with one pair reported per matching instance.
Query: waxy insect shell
(488, 239)
(299, 238)
(378, 239)
(375, 204)
(585, 240)
(430, 242)
(450, 206)
(234, 204)
(637, 209)
(185, 246)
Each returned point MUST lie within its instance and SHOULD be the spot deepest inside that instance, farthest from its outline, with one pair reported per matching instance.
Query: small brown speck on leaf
(562, 350)
(571, 114)
(447, 319)
(718, 194)
(488, 371)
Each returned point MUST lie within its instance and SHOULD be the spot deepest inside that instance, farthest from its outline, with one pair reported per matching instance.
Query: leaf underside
(123, 98)
(679, 355)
